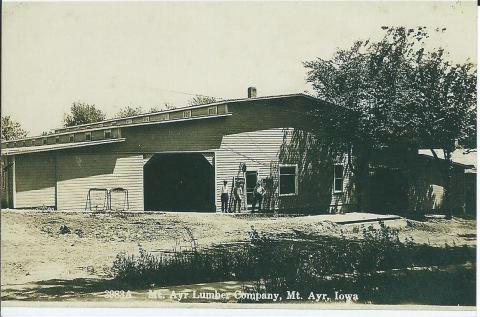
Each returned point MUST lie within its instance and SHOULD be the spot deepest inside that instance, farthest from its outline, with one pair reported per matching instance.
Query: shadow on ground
(90, 289)
(58, 290)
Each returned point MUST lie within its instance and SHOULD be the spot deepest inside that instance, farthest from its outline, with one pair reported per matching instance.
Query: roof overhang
(56, 147)
(462, 158)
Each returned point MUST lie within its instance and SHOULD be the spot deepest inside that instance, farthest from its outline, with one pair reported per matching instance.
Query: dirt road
(34, 249)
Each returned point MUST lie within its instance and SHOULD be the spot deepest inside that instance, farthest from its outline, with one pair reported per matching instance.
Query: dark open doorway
(179, 182)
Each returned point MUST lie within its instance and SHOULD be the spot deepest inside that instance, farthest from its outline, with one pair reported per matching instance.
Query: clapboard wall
(260, 151)
(77, 173)
(35, 180)
(256, 149)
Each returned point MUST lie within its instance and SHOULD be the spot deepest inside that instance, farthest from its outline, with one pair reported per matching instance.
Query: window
(57, 139)
(187, 113)
(107, 134)
(88, 136)
(129, 121)
(287, 179)
(71, 138)
(44, 141)
(212, 110)
(146, 119)
(338, 178)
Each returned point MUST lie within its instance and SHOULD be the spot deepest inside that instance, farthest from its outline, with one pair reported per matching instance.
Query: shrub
(310, 264)
(64, 229)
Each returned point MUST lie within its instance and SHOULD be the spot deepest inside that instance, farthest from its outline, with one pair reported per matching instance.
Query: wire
(189, 94)
(246, 156)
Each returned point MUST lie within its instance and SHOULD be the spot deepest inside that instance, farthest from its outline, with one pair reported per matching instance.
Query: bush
(306, 265)
(64, 229)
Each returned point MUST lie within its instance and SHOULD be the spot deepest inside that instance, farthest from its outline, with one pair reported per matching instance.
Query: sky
(151, 53)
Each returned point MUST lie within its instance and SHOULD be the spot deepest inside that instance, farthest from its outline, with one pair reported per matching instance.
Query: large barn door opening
(179, 182)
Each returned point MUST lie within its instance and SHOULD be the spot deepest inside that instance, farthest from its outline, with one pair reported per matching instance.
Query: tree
(82, 113)
(129, 111)
(201, 100)
(12, 129)
(166, 106)
(395, 92)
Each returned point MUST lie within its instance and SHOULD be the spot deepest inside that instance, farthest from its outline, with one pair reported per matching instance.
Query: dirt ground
(34, 249)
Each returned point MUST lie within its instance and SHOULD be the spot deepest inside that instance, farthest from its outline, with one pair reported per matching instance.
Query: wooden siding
(259, 149)
(256, 149)
(77, 173)
(35, 180)
(207, 134)
(426, 188)
(7, 182)
(345, 200)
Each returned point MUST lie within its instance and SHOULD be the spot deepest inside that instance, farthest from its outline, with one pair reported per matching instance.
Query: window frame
(335, 190)
(280, 179)
(215, 110)
(105, 134)
(187, 114)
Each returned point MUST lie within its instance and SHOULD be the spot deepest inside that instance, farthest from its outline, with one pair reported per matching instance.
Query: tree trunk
(448, 180)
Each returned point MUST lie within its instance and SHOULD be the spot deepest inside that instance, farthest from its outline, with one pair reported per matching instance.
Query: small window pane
(287, 170)
(338, 178)
(212, 110)
(339, 171)
(287, 184)
(338, 184)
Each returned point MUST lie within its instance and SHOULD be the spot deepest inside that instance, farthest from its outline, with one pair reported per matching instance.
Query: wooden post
(14, 186)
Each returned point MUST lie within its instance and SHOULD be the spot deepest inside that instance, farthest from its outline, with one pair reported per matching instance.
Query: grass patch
(379, 268)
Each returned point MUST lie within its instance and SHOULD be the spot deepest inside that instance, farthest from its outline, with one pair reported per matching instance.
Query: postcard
(239, 155)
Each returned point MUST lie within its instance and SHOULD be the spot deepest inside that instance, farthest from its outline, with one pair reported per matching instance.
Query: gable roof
(30, 144)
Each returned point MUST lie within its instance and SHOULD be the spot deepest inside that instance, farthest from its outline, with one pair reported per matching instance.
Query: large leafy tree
(82, 113)
(393, 92)
(12, 129)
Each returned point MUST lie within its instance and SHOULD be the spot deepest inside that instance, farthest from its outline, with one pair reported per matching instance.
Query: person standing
(238, 193)
(258, 193)
(224, 196)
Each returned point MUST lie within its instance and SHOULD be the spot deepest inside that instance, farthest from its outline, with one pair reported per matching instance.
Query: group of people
(258, 193)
